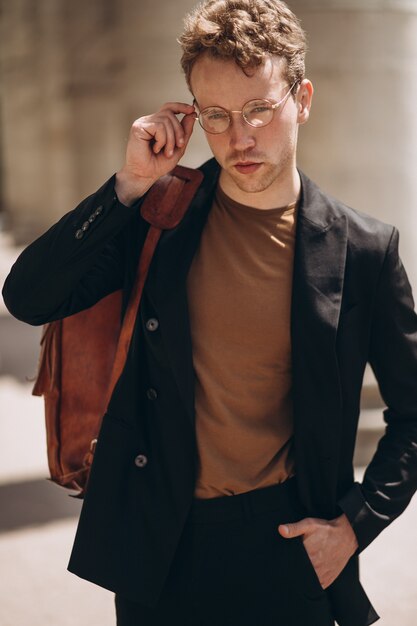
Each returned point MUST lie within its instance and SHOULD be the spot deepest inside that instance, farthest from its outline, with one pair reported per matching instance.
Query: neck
(282, 191)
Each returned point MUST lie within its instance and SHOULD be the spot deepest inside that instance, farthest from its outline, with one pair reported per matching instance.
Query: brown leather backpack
(83, 355)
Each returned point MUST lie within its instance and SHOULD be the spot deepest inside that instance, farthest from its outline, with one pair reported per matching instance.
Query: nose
(241, 134)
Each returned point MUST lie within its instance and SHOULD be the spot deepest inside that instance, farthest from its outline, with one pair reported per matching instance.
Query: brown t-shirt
(239, 293)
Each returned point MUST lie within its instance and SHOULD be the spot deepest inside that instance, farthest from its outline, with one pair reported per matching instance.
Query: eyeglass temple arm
(277, 104)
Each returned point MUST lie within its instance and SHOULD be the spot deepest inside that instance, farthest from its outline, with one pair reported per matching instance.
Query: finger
(295, 529)
(177, 107)
(178, 129)
(160, 136)
(170, 138)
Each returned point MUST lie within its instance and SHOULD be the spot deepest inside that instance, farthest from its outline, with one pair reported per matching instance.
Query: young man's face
(273, 147)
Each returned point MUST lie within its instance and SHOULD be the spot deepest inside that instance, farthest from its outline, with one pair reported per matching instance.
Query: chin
(250, 187)
(257, 182)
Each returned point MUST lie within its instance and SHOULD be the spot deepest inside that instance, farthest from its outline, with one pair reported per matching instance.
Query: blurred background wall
(74, 76)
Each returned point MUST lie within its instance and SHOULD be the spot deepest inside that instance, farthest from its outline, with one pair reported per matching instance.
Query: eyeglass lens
(256, 113)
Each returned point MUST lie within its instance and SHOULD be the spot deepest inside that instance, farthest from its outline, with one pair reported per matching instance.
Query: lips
(247, 167)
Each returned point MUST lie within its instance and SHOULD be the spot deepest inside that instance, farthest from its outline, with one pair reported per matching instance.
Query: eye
(215, 114)
(258, 108)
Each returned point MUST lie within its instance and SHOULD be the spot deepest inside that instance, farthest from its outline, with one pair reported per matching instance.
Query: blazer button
(141, 460)
(151, 394)
(152, 324)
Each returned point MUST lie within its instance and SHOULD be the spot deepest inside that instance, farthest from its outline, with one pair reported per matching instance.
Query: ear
(304, 99)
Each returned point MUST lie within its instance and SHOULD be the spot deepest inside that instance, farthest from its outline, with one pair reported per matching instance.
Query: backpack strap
(164, 207)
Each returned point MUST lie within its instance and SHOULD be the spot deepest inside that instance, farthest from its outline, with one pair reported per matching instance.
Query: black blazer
(351, 303)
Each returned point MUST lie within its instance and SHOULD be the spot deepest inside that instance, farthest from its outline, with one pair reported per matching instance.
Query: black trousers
(233, 568)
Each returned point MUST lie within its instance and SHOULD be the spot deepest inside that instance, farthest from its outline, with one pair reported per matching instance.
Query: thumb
(293, 530)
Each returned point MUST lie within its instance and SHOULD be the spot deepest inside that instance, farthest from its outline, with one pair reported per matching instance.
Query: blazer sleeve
(390, 479)
(75, 263)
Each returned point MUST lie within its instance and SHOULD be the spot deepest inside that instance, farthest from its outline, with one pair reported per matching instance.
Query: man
(222, 488)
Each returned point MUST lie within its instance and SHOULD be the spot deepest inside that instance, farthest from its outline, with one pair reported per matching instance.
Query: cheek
(217, 144)
(278, 137)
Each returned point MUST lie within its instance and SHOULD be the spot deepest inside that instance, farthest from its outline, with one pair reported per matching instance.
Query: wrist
(129, 187)
(346, 527)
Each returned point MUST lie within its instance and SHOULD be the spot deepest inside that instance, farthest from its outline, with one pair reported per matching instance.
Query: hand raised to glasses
(156, 144)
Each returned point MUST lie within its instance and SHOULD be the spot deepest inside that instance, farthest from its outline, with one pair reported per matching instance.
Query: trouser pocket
(309, 583)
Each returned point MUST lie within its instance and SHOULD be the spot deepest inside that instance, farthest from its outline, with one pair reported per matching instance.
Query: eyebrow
(211, 106)
(239, 110)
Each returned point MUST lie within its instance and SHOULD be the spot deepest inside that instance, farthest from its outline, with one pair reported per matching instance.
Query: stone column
(361, 141)
(62, 67)
(34, 114)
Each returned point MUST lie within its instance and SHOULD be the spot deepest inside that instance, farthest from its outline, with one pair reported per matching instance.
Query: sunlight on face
(272, 148)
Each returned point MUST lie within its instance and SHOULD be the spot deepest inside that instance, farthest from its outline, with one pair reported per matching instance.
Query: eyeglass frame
(274, 105)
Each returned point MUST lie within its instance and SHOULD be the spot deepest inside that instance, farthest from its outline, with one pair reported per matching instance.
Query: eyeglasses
(256, 113)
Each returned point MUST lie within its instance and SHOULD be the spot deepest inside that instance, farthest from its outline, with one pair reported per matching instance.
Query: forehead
(216, 81)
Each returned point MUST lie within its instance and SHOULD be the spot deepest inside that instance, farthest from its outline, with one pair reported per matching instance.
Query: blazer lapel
(319, 265)
(166, 284)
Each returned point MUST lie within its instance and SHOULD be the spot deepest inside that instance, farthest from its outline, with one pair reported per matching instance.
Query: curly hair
(246, 31)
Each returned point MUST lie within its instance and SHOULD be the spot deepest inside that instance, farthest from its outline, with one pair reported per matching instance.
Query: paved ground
(38, 520)
(37, 526)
